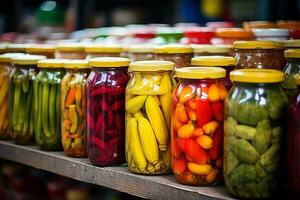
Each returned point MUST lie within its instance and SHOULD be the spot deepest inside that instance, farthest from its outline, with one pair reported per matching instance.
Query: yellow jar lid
(16, 48)
(8, 57)
(102, 48)
(201, 48)
(151, 66)
(292, 53)
(141, 48)
(3, 47)
(214, 61)
(27, 59)
(254, 45)
(297, 79)
(173, 48)
(40, 48)
(76, 64)
(70, 47)
(51, 63)
(109, 62)
(292, 44)
(200, 72)
(257, 76)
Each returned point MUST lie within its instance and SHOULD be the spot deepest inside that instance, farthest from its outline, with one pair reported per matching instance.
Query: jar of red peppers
(226, 62)
(197, 125)
(181, 55)
(70, 51)
(106, 110)
(230, 35)
(101, 50)
(148, 96)
(73, 102)
(41, 49)
(256, 54)
(293, 139)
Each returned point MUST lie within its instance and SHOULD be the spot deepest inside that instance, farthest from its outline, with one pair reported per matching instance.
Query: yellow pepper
(186, 131)
(213, 93)
(199, 169)
(211, 127)
(205, 142)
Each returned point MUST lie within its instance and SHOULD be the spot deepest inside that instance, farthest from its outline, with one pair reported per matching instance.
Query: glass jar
(16, 48)
(293, 133)
(69, 51)
(226, 62)
(212, 50)
(292, 67)
(106, 110)
(230, 35)
(181, 55)
(41, 49)
(254, 115)
(272, 34)
(73, 103)
(21, 102)
(197, 125)
(256, 54)
(292, 44)
(279, 53)
(198, 35)
(141, 52)
(47, 98)
(259, 25)
(148, 97)
(93, 51)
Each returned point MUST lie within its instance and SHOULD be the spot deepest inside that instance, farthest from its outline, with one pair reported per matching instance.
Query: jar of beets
(106, 110)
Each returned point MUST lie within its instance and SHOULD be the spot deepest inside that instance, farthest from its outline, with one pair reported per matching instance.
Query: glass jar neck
(256, 85)
(293, 61)
(109, 68)
(150, 72)
(78, 70)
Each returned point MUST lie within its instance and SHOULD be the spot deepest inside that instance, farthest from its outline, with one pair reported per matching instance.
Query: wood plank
(117, 178)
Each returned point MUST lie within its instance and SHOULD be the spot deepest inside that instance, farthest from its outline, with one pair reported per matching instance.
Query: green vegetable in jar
(244, 151)
(263, 136)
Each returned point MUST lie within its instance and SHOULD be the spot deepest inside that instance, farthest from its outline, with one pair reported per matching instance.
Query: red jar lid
(144, 35)
(215, 25)
(199, 32)
(295, 33)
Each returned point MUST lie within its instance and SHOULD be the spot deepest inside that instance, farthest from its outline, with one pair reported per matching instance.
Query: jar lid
(297, 79)
(292, 44)
(221, 24)
(16, 48)
(141, 48)
(200, 72)
(173, 48)
(40, 48)
(201, 48)
(27, 59)
(3, 47)
(199, 32)
(109, 62)
(258, 44)
(275, 32)
(70, 47)
(214, 61)
(257, 76)
(103, 48)
(8, 57)
(259, 24)
(290, 24)
(234, 33)
(292, 53)
(151, 66)
(76, 64)
(51, 63)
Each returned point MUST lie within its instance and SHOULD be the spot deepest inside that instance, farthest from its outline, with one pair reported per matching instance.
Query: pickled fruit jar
(292, 67)
(230, 35)
(226, 62)
(148, 96)
(141, 52)
(212, 50)
(253, 127)
(41, 49)
(106, 110)
(293, 139)
(21, 101)
(73, 102)
(101, 50)
(181, 55)
(47, 104)
(197, 125)
(256, 54)
(69, 51)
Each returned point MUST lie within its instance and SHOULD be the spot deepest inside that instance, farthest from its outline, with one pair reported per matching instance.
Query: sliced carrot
(71, 96)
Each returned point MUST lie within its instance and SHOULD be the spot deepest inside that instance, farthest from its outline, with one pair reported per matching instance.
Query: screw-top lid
(51, 63)
(103, 48)
(201, 48)
(292, 53)
(257, 76)
(275, 32)
(76, 64)
(254, 44)
(259, 24)
(141, 48)
(214, 61)
(173, 48)
(200, 72)
(292, 44)
(151, 65)
(234, 33)
(109, 62)
(8, 57)
(40, 48)
(70, 47)
(3, 47)
(16, 48)
(27, 59)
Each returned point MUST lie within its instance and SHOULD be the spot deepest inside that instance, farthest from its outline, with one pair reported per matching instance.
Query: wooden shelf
(117, 178)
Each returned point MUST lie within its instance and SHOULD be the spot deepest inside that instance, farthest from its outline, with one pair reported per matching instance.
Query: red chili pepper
(120, 122)
(99, 143)
(179, 166)
(90, 121)
(100, 125)
(118, 105)
(193, 151)
(203, 112)
(103, 105)
(102, 90)
(216, 151)
(110, 119)
(218, 110)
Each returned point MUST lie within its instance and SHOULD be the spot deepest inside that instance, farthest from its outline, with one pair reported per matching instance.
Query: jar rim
(256, 44)
(173, 48)
(200, 72)
(214, 61)
(51, 63)
(151, 66)
(27, 59)
(292, 53)
(256, 76)
(103, 62)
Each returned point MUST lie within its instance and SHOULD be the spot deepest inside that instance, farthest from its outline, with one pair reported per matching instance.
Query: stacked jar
(230, 35)
(47, 101)
(256, 54)
(69, 51)
(101, 50)
(292, 67)
(148, 97)
(181, 55)
(141, 52)
(106, 110)
(212, 50)
(21, 101)
(254, 115)
(73, 103)
(226, 62)
(41, 49)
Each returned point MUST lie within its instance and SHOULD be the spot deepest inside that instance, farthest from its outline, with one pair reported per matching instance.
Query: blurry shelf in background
(117, 178)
